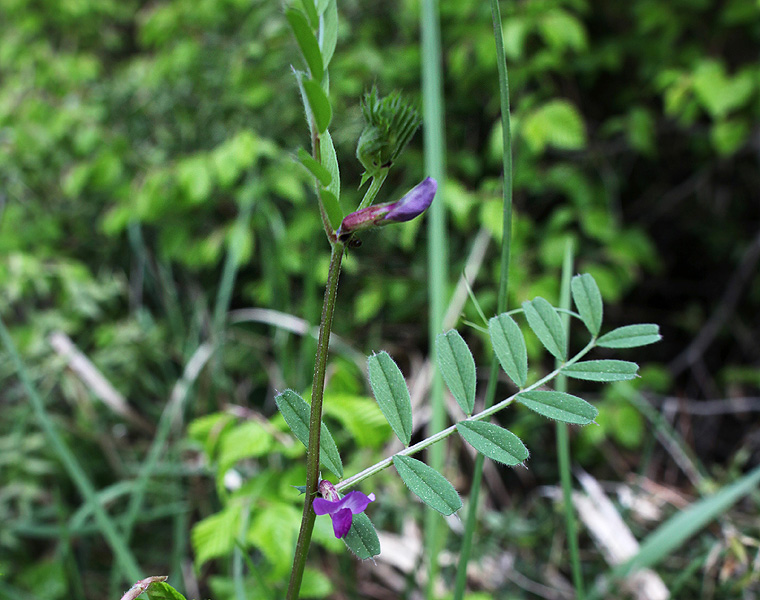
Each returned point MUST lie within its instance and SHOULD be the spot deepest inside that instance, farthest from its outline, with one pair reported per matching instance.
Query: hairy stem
(315, 422)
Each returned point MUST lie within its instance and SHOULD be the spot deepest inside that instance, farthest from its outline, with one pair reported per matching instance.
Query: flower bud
(390, 123)
(413, 204)
(328, 491)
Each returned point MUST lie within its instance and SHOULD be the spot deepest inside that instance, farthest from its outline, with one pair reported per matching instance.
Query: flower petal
(342, 522)
(356, 501)
(414, 202)
(324, 507)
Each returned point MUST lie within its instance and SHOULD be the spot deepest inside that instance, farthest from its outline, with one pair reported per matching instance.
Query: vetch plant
(390, 123)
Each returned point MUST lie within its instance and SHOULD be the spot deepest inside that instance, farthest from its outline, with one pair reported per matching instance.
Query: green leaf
(545, 323)
(249, 439)
(311, 11)
(361, 416)
(664, 540)
(315, 585)
(428, 484)
(509, 345)
(720, 93)
(330, 37)
(273, 530)
(307, 42)
(391, 394)
(631, 336)
(319, 104)
(588, 299)
(296, 412)
(557, 123)
(331, 202)
(163, 591)
(316, 168)
(458, 368)
(728, 136)
(215, 535)
(494, 442)
(559, 406)
(332, 207)
(602, 370)
(362, 538)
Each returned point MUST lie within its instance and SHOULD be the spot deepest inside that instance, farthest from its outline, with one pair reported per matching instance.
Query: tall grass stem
(434, 146)
(563, 438)
(502, 299)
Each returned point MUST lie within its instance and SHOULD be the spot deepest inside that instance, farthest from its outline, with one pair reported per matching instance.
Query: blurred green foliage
(141, 142)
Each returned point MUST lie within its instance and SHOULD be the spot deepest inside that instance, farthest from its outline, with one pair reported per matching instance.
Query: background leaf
(296, 412)
(428, 484)
(556, 123)
(509, 345)
(391, 394)
(545, 323)
(559, 406)
(588, 299)
(458, 368)
(494, 442)
(602, 370)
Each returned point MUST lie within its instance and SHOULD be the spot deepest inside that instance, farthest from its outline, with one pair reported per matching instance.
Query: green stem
(374, 188)
(484, 414)
(315, 422)
(501, 302)
(563, 437)
(437, 248)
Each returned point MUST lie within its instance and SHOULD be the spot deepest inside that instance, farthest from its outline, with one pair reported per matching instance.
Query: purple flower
(413, 204)
(341, 510)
